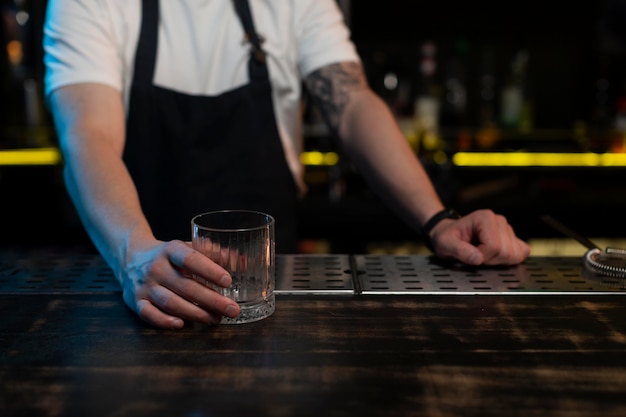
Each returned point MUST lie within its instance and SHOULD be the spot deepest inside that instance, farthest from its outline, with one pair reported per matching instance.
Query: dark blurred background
(478, 77)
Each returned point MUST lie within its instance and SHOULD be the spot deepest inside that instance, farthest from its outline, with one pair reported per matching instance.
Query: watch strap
(446, 213)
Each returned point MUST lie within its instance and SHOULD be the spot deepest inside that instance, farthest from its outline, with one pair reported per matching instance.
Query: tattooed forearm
(331, 87)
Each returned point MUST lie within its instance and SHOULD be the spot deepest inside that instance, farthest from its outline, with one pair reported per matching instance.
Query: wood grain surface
(511, 355)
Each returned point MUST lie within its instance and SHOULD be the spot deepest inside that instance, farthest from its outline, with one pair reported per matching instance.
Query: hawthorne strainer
(610, 262)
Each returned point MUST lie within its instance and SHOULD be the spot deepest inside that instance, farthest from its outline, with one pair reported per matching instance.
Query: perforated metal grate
(314, 274)
(59, 271)
(54, 271)
(423, 274)
(62, 271)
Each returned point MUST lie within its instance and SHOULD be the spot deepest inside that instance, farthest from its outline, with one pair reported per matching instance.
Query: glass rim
(269, 220)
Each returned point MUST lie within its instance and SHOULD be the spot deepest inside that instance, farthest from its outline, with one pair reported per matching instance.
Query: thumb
(462, 251)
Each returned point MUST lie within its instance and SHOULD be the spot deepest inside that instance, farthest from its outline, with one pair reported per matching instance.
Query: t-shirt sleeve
(323, 37)
(79, 45)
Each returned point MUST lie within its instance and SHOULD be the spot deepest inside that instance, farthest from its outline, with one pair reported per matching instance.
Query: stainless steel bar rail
(75, 271)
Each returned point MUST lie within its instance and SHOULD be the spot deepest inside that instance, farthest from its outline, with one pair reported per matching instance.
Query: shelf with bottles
(501, 147)
(578, 147)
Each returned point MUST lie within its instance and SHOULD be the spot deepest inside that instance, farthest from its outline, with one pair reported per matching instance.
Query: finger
(465, 252)
(476, 239)
(158, 318)
(505, 248)
(452, 244)
(152, 315)
(155, 317)
(185, 308)
(194, 262)
(519, 252)
(200, 296)
(494, 247)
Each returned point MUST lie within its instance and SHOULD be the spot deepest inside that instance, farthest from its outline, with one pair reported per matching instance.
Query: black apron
(190, 154)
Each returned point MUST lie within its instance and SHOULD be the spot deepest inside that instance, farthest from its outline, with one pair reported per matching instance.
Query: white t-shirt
(200, 49)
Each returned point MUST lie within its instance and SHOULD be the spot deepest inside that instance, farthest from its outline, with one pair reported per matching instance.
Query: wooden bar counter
(70, 347)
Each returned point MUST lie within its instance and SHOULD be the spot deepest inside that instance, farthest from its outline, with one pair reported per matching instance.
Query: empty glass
(242, 242)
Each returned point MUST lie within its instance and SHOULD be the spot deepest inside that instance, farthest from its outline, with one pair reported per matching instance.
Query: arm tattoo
(331, 87)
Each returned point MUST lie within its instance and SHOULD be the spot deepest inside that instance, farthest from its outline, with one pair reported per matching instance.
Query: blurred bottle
(516, 105)
(619, 125)
(488, 130)
(390, 77)
(427, 101)
(453, 119)
(24, 121)
(607, 118)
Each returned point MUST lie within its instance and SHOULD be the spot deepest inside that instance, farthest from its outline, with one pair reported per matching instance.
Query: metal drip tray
(314, 274)
(55, 271)
(67, 271)
(428, 275)
(63, 271)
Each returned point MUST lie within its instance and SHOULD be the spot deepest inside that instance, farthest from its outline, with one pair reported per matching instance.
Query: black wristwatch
(432, 222)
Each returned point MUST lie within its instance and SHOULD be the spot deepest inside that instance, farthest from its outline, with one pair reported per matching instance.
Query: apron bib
(190, 154)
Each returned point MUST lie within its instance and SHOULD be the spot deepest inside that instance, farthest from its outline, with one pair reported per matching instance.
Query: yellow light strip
(539, 159)
(35, 156)
(52, 156)
(316, 158)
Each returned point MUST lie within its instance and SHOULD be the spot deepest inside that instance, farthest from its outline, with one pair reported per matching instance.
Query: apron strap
(145, 57)
(242, 7)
